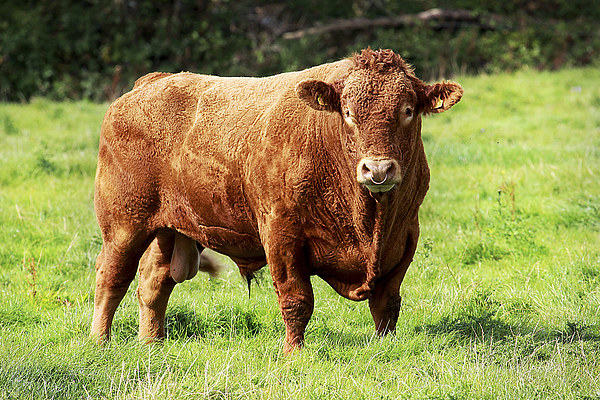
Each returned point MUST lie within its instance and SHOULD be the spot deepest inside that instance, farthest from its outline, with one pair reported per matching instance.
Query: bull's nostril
(366, 171)
(391, 171)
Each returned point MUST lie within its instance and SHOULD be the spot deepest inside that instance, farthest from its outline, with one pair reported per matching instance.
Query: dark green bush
(96, 48)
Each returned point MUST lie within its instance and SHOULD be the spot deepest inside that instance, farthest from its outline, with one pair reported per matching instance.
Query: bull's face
(381, 103)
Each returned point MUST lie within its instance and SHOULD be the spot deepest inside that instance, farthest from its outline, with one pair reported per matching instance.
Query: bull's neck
(372, 215)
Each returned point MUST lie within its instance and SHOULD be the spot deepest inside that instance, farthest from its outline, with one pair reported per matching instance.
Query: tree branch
(458, 17)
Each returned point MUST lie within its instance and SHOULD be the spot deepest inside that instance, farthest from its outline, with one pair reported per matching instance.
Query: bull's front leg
(294, 291)
(384, 304)
(385, 299)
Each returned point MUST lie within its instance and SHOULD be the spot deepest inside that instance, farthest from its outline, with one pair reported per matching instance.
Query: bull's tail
(210, 263)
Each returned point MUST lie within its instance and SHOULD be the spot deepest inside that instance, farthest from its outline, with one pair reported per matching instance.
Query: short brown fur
(266, 170)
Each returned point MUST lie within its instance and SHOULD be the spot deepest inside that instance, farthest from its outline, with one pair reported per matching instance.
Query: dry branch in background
(444, 18)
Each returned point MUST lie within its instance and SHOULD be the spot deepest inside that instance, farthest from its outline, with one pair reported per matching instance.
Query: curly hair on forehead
(382, 60)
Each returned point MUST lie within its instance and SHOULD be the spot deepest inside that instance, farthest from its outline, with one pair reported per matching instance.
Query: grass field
(502, 300)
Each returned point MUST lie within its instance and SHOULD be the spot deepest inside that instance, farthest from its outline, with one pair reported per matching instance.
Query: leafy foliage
(95, 49)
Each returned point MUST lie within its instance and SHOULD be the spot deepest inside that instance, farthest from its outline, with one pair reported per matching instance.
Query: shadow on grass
(183, 322)
(478, 317)
(488, 327)
(324, 334)
(482, 327)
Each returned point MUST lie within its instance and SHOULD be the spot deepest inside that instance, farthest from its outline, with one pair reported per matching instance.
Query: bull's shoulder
(149, 78)
(333, 70)
(329, 72)
(337, 70)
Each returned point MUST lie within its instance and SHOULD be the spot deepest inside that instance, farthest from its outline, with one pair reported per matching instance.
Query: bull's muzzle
(378, 175)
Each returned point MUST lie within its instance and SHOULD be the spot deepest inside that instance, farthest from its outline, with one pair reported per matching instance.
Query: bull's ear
(319, 95)
(441, 96)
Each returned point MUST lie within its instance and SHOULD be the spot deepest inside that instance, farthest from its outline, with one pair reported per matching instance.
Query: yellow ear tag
(439, 103)
(321, 101)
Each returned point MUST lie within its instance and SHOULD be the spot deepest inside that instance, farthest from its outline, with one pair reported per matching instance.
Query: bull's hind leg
(115, 269)
(155, 286)
(171, 258)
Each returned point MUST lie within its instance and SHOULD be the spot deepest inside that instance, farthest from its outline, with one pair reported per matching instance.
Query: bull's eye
(349, 117)
(406, 115)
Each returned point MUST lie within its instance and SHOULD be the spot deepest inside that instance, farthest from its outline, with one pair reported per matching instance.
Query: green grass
(502, 300)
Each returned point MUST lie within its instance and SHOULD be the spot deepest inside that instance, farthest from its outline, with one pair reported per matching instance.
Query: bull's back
(164, 110)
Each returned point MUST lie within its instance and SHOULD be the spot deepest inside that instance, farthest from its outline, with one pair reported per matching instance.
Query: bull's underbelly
(234, 237)
(245, 249)
(342, 265)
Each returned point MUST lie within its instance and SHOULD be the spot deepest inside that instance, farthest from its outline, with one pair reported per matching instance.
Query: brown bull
(317, 172)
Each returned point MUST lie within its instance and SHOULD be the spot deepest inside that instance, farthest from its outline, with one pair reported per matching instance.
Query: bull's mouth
(379, 188)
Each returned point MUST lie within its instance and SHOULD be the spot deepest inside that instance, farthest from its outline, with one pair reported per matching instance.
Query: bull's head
(381, 102)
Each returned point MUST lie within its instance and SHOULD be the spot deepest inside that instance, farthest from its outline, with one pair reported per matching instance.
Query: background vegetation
(501, 302)
(95, 49)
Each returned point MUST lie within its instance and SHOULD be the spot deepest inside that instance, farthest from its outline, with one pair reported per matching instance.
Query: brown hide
(263, 170)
